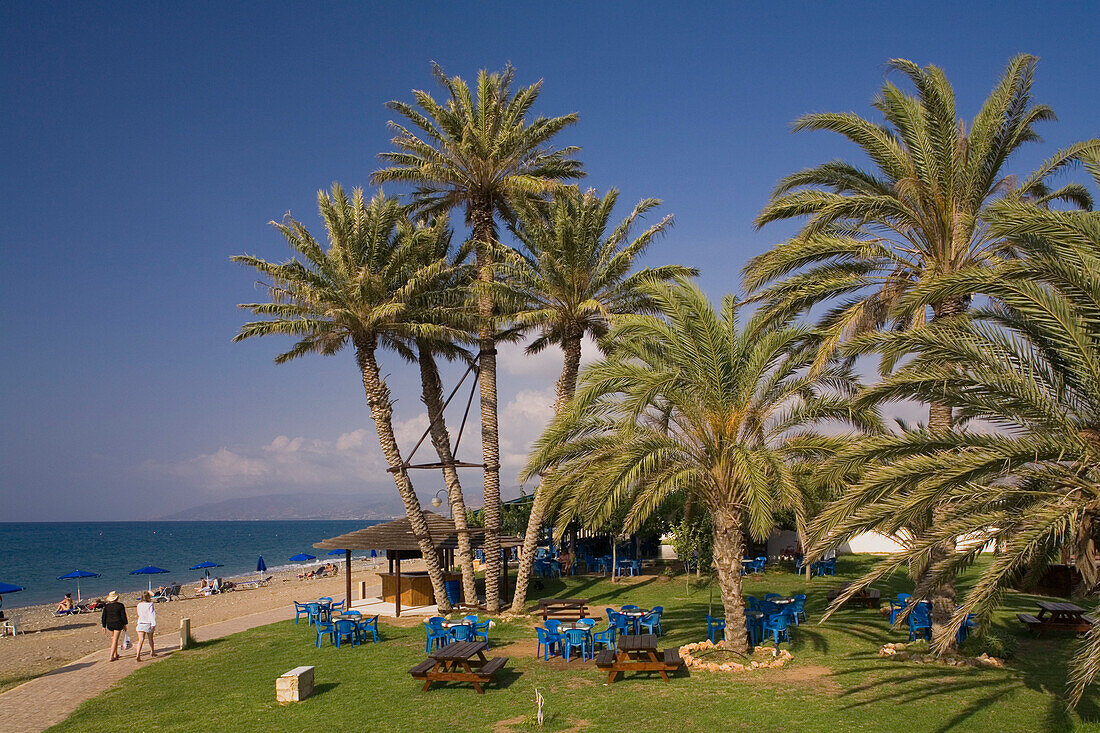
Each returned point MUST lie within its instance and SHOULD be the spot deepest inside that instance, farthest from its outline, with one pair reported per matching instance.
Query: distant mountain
(290, 506)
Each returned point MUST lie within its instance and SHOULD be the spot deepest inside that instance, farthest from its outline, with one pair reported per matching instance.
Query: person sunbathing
(66, 605)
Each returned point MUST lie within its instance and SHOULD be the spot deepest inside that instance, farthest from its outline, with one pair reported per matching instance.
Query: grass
(835, 683)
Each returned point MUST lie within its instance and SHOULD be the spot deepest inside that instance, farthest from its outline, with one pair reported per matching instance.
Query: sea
(34, 554)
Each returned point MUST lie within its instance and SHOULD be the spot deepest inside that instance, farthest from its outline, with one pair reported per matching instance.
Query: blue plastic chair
(621, 624)
(547, 642)
(605, 637)
(830, 566)
(752, 603)
(436, 632)
(460, 633)
(652, 621)
(454, 591)
(798, 608)
(345, 629)
(897, 606)
(322, 628)
(315, 612)
(964, 630)
(479, 629)
(715, 626)
(575, 638)
(301, 609)
(760, 563)
(369, 626)
(920, 621)
(779, 625)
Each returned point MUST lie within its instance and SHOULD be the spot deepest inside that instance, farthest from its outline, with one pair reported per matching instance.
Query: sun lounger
(248, 584)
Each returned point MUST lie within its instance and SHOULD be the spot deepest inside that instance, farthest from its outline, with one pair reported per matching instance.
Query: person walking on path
(113, 620)
(146, 623)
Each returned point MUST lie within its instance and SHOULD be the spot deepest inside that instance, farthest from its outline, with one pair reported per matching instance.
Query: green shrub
(992, 643)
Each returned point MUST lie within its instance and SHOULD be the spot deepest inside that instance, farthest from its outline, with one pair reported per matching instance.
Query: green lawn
(836, 682)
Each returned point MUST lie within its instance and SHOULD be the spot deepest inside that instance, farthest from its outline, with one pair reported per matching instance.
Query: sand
(47, 642)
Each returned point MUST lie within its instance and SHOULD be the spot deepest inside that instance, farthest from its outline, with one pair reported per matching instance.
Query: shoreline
(47, 642)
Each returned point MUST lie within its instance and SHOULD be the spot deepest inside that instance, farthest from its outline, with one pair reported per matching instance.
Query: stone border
(770, 660)
(899, 653)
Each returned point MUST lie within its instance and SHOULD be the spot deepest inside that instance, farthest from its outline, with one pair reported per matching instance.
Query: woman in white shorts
(146, 623)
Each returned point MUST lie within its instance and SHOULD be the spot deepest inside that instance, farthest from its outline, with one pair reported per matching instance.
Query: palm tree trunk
(942, 595)
(432, 394)
(381, 410)
(567, 385)
(481, 219)
(729, 547)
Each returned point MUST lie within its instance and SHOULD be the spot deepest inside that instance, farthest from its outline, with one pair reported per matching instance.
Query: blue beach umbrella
(206, 566)
(336, 552)
(8, 588)
(149, 570)
(77, 575)
(261, 566)
(302, 557)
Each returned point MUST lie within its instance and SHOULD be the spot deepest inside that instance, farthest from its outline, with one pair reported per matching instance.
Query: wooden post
(503, 575)
(347, 581)
(397, 596)
(185, 633)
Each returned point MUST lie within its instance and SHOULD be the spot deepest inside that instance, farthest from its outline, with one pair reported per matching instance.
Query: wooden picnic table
(638, 653)
(456, 663)
(1059, 616)
(563, 609)
(869, 597)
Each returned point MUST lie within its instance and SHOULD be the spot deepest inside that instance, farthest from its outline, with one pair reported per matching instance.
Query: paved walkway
(47, 700)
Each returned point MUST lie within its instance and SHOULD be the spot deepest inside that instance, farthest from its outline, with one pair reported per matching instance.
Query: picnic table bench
(1057, 616)
(563, 609)
(456, 663)
(638, 653)
(869, 597)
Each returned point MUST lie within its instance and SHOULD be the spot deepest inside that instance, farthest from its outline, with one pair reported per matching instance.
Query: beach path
(49, 699)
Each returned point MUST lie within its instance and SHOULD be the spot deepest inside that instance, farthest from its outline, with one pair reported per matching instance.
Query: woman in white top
(146, 623)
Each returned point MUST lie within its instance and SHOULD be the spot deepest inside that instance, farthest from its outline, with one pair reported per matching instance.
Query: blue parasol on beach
(206, 566)
(302, 557)
(261, 566)
(336, 552)
(8, 588)
(149, 570)
(77, 575)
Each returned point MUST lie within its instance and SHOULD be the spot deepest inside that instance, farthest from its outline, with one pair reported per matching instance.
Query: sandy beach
(47, 642)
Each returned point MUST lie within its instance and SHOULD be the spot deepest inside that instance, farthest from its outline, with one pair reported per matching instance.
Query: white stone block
(294, 686)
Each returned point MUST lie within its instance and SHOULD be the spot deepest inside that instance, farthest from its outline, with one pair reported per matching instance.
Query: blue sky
(144, 144)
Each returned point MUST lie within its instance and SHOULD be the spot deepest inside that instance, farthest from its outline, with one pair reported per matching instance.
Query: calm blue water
(33, 554)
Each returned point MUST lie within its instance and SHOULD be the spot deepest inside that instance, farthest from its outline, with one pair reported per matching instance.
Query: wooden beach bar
(399, 542)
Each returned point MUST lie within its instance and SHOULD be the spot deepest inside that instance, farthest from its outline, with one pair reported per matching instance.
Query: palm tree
(568, 280)
(484, 156)
(434, 246)
(1028, 367)
(699, 403)
(872, 236)
(361, 290)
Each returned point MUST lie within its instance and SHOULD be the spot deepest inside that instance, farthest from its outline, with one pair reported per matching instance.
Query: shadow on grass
(322, 687)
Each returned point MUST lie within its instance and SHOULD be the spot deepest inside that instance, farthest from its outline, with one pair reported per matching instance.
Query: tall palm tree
(361, 290)
(435, 245)
(1028, 368)
(485, 156)
(872, 236)
(568, 279)
(699, 403)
